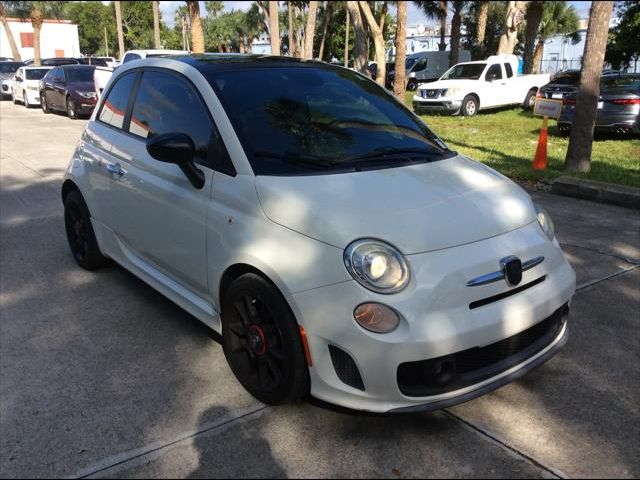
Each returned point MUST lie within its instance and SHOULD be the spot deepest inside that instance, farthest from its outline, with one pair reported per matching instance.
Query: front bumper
(445, 106)
(84, 106)
(437, 320)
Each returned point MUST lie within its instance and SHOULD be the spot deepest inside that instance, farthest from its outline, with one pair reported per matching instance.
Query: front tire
(26, 100)
(14, 99)
(470, 106)
(412, 85)
(43, 103)
(71, 109)
(262, 342)
(80, 234)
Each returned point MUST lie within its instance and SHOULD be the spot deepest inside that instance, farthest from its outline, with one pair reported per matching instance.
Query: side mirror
(177, 148)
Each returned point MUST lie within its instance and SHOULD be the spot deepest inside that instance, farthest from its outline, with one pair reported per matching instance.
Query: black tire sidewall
(295, 382)
(93, 258)
(43, 103)
(412, 85)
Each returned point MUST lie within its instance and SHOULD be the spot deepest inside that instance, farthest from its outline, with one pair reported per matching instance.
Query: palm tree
(378, 40)
(15, 53)
(119, 28)
(360, 48)
(328, 10)
(197, 36)
(456, 23)
(156, 23)
(274, 28)
(436, 10)
(533, 19)
(558, 18)
(400, 77)
(290, 30)
(483, 13)
(513, 19)
(310, 30)
(581, 140)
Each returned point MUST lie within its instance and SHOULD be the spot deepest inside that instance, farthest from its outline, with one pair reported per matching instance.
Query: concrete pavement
(102, 376)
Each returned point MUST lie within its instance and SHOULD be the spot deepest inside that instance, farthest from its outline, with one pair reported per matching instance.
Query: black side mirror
(177, 148)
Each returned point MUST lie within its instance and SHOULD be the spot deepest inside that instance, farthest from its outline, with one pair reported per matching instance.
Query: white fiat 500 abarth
(340, 248)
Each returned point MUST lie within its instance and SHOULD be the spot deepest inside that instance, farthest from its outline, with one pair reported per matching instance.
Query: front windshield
(36, 74)
(409, 62)
(308, 119)
(80, 74)
(465, 71)
(9, 67)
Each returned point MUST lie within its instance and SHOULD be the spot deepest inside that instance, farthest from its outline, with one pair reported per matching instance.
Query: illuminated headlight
(87, 94)
(545, 222)
(377, 266)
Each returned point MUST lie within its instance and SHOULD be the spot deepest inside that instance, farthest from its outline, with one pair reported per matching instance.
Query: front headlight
(452, 92)
(377, 266)
(87, 94)
(545, 222)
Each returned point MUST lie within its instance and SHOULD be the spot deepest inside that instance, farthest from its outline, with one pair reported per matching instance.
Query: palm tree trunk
(15, 53)
(513, 19)
(274, 28)
(156, 24)
(346, 40)
(119, 27)
(378, 42)
(581, 140)
(533, 19)
(360, 48)
(442, 46)
(400, 78)
(290, 18)
(483, 13)
(456, 23)
(197, 36)
(310, 30)
(327, 17)
(537, 56)
(36, 22)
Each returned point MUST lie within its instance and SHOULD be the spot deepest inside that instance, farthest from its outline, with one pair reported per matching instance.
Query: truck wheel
(529, 100)
(469, 106)
(412, 84)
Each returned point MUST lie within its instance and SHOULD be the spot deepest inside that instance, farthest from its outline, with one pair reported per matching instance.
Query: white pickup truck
(469, 87)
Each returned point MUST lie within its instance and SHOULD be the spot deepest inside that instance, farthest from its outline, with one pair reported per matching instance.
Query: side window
(129, 57)
(508, 69)
(115, 104)
(167, 104)
(494, 72)
(421, 65)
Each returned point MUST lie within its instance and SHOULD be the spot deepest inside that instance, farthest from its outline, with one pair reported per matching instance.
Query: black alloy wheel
(80, 234)
(262, 342)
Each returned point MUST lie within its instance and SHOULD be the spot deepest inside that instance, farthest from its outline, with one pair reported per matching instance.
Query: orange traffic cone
(540, 160)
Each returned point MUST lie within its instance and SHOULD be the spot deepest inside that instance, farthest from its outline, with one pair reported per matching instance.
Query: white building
(58, 38)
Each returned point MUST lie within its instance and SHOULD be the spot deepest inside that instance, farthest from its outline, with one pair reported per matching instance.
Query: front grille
(507, 294)
(430, 93)
(346, 368)
(468, 367)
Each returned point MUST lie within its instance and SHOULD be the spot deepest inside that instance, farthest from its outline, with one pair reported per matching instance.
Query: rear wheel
(529, 100)
(262, 342)
(80, 234)
(469, 106)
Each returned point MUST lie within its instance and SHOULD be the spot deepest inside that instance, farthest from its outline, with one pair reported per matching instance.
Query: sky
(414, 15)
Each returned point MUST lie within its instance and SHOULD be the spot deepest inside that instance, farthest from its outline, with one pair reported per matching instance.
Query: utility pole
(346, 42)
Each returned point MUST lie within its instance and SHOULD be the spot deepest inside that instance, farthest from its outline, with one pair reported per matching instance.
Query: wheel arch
(235, 271)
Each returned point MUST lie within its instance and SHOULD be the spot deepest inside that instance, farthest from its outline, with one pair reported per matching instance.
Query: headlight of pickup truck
(452, 92)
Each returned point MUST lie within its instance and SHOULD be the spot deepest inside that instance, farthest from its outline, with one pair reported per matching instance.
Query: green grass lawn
(506, 140)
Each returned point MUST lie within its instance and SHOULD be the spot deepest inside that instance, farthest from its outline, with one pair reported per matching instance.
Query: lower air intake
(346, 368)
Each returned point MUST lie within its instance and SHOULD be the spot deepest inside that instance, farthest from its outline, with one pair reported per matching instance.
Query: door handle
(115, 169)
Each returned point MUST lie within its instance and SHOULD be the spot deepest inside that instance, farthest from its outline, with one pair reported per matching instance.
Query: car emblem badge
(512, 269)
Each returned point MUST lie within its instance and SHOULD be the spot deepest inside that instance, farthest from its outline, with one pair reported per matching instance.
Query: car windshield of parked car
(79, 74)
(306, 119)
(465, 71)
(409, 62)
(36, 74)
(621, 82)
(9, 67)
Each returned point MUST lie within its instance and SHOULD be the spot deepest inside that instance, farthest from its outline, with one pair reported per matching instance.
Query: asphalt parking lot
(101, 376)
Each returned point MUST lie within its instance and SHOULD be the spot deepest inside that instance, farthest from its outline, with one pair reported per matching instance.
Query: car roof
(73, 67)
(31, 67)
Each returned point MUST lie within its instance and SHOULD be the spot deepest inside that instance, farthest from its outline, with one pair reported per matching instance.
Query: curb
(620, 195)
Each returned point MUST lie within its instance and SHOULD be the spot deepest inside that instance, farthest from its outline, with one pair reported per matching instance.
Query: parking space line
(493, 438)
(590, 284)
(121, 459)
(601, 252)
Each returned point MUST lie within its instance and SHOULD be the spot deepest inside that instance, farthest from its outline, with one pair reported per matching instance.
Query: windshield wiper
(295, 158)
(388, 153)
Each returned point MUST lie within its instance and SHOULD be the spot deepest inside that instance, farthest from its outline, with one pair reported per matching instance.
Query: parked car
(69, 89)
(469, 87)
(7, 72)
(103, 74)
(309, 221)
(96, 61)
(54, 62)
(6, 59)
(424, 67)
(26, 85)
(618, 106)
(565, 83)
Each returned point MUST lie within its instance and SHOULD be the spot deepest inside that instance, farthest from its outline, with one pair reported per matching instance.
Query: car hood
(417, 208)
(7, 76)
(81, 86)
